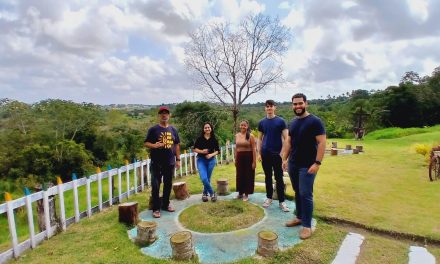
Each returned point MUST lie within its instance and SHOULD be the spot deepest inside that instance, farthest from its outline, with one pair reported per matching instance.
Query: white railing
(188, 166)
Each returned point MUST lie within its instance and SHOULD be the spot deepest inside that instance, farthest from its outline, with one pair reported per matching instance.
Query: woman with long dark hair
(206, 147)
(245, 161)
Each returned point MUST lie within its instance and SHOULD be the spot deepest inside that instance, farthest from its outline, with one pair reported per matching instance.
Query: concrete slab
(350, 249)
(419, 255)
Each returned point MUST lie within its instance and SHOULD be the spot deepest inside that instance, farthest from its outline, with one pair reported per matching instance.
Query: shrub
(422, 149)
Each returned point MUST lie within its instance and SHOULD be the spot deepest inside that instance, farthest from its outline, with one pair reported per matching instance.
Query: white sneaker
(267, 202)
(284, 207)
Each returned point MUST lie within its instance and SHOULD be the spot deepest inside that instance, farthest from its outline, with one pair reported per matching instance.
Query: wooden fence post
(61, 197)
(186, 163)
(88, 197)
(135, 176)
(75, 197)
(98, 172)
(142, 176)
(149, 173)
(119, 185)
(191, 161)
(181, 169)
(30, 217)
(110, 185)
(11, 222)
(128, 177)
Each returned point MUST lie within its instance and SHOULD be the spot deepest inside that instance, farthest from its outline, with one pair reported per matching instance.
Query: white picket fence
(188, 166)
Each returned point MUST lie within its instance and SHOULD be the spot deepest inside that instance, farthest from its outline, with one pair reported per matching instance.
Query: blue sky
(132, 51)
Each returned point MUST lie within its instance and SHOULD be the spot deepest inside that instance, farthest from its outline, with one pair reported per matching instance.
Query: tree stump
(128, 213)
(267, 243)
(180, 190)
(360, 148)
(146, 232)
(334, 144)
(355, 151)
(347, 147)
(333, 152)
(222, 186)
(182, 246)
(275, 194)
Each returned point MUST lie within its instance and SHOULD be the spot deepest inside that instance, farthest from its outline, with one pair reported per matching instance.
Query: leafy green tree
(190, 117)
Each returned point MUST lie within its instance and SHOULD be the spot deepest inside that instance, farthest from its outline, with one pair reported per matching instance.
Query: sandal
(169, 209)
(156, 214)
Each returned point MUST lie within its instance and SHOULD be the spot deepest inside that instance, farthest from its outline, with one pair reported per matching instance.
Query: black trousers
(269, 162)
(159, 172)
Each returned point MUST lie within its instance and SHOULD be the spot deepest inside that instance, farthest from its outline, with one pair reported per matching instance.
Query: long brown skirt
(245, 175)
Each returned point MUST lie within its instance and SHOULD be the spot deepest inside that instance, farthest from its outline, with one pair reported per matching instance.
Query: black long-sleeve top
(211, 144)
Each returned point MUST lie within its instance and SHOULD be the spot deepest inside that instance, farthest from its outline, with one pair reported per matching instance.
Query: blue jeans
(205, 167)
(302, 183)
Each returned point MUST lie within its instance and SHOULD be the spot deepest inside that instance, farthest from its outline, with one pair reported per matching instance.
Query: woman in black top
(207, 148)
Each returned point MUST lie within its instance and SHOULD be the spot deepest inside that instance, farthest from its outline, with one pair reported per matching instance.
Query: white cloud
(284, 5)
(131, 51)
(419, 9)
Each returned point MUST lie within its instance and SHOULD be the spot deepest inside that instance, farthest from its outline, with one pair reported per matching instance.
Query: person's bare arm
(178, 156)
(285, 152)
(321, 140)
(254, 153)
(259, 142)
(154, 145)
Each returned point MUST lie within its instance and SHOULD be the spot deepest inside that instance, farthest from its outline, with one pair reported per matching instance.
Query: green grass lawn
(387, 187)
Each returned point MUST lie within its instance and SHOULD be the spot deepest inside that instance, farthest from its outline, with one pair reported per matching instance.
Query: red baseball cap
(163, 108)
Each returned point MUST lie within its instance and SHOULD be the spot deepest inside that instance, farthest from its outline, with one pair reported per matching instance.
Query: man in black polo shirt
(164, 144)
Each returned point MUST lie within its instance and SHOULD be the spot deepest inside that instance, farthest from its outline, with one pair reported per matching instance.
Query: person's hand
(313, 169)
(205, 151)
(284, 165)
(159, 144)
(254, 165)
(208, 156)
(259, 157)
(177, 164)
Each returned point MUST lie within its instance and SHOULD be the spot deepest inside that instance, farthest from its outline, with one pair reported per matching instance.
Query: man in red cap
(164, 144)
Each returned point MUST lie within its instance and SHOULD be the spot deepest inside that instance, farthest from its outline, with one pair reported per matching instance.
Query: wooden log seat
(222, 186)
(146, 232)
(267, 243)
(128, 213)
(180, 190)
(182, 246)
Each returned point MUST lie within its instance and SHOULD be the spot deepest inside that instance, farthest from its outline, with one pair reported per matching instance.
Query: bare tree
(232, 62)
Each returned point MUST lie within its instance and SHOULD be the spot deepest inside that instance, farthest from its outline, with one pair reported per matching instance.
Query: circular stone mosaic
(221, 247)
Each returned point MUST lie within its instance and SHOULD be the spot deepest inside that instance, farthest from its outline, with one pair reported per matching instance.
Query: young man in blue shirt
(272, 132)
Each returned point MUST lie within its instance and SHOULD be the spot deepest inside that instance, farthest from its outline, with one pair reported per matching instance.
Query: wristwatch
(318, 162)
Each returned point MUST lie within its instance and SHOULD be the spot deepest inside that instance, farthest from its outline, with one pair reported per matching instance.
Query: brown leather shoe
(305, 233)
(293, 222)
